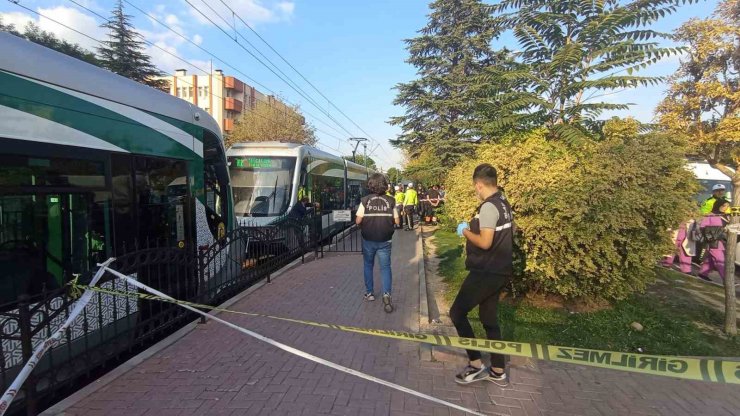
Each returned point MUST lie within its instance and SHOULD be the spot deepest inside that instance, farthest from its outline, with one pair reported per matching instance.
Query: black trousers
(480, 289)
(410, 209)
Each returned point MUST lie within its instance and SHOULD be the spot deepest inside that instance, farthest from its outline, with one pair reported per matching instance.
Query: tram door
(46, 238)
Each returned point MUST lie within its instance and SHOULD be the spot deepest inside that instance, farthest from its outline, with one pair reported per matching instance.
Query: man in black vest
(376, 216)
(489, 248)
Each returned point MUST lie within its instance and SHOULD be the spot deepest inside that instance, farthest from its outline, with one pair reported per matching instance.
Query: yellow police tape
(689, 368)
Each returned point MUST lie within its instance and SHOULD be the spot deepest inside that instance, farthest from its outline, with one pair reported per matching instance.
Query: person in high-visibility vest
(718, 191)
(410, 201)
(399, 203)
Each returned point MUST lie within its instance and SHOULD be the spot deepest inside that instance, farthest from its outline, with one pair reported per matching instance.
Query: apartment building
(224, 97)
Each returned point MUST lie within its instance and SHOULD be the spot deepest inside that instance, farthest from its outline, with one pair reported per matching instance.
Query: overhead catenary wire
(163, 50)
(262, 63)
(287, 79)
(102, 43)
(201, 48)
(154, 45)
(237, 35)
(301, 75)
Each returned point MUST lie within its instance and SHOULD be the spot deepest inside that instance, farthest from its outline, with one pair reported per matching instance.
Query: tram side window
(54, 222)
(327, 191)
(161, 193)
(355, 191)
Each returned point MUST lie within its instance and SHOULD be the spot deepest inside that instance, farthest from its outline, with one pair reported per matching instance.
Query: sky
(352, 51)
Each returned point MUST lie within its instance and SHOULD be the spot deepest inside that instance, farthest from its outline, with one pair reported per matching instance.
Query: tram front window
(262, 185)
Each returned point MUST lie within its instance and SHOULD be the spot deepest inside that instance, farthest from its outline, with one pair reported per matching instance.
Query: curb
(425, 350)
(60, 408)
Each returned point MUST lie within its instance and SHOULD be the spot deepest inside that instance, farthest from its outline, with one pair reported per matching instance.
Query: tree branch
(722, 168)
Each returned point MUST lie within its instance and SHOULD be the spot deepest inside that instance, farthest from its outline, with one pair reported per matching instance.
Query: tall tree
(268, 122)
(703, 100)
(451, 50)
(123, 52)
(362, 160)
(573, 53)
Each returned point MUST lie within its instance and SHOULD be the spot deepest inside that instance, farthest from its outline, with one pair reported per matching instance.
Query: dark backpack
(695, 234)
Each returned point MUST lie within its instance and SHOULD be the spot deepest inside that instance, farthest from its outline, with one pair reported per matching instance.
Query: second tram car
(269, 178)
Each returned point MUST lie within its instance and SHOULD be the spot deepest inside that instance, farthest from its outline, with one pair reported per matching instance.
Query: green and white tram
(93, 164)
(269, 178)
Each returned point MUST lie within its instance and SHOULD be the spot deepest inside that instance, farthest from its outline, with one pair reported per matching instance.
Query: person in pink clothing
(713, 232)
(684, 248)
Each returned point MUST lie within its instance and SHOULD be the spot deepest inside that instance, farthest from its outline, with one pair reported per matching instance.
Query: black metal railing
(114, 328)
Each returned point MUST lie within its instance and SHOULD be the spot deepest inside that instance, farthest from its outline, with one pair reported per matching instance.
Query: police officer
(410, 201)
(718, 191)
(489, 248)
(399, 202)
(376, 216)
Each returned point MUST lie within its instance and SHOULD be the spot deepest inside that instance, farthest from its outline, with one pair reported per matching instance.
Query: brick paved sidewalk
(214, 370)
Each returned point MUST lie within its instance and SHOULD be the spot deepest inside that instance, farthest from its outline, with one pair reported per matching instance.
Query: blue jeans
(383, 250)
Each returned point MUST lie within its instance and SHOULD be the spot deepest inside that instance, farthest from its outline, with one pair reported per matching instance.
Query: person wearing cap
(718, 191)
(410, 200)
(399, 203)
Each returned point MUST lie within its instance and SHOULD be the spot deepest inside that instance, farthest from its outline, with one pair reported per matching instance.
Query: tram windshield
(262, 185)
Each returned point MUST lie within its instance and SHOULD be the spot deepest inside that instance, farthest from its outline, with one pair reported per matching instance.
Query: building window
(206, 90)
(190, 92)
(200, 91)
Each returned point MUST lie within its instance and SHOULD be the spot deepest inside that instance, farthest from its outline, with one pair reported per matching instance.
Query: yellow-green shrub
(591, 222)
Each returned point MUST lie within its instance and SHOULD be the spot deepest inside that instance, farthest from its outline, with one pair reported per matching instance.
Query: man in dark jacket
(489, 248)
(376, 216)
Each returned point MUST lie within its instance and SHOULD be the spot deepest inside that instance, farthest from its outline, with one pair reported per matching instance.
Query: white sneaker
(498, 379)
(471, 374)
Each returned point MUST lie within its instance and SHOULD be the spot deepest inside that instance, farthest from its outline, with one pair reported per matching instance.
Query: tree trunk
(730, 305)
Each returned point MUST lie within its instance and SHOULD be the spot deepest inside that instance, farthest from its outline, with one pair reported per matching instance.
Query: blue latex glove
(461, 227)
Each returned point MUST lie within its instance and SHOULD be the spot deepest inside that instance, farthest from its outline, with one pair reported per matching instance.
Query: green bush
(592, 221)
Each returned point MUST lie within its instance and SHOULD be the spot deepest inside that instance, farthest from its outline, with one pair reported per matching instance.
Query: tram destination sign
(255, 162)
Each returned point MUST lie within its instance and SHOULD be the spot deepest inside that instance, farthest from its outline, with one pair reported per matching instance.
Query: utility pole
(364, 146)
(357, 141)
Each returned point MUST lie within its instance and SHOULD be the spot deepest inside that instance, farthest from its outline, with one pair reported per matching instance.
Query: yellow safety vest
(399, 198)
(707, 205)
(411, 198)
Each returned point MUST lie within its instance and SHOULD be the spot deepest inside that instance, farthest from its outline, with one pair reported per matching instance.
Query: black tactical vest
(377, 223)
(498, 258)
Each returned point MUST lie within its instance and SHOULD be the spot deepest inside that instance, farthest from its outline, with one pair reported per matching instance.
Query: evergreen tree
(450, 53)
(123, 52)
